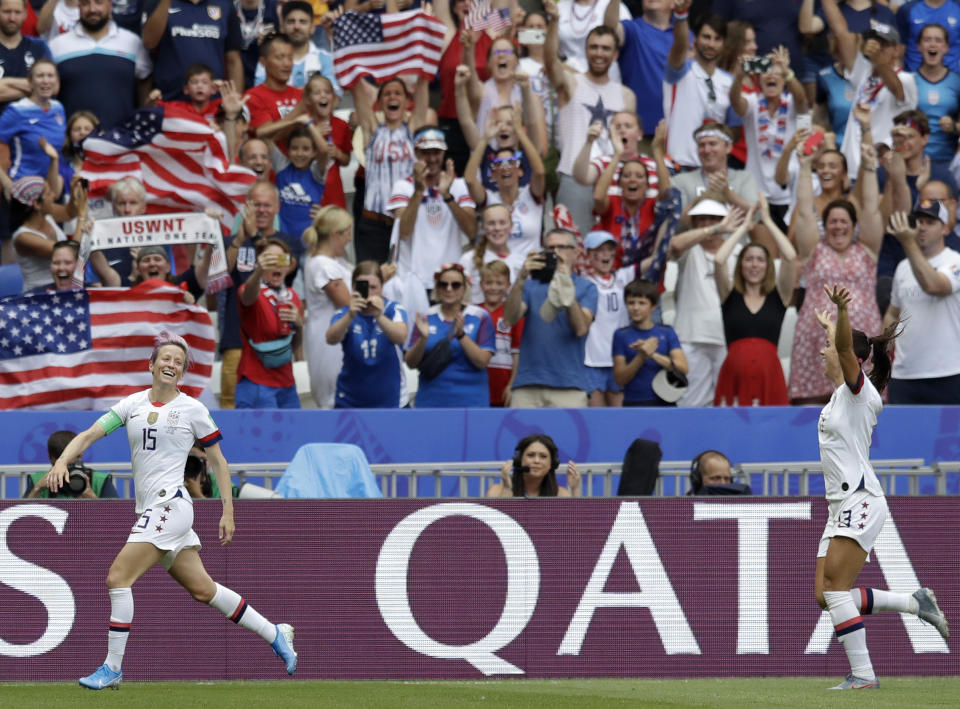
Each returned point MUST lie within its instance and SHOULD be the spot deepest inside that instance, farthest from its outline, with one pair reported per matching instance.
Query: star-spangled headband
(712, 133)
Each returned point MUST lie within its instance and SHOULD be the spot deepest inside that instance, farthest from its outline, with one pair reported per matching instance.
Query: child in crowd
(200, 86)
(495, 282)
(321, 101)
(300, 177)
(601, 249)
(492, 245)
(643, 348)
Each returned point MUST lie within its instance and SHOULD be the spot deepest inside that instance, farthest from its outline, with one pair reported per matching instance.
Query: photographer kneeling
(84, 482)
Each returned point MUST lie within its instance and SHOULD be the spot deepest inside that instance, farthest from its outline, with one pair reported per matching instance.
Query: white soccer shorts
(168, 525)
(859, 516)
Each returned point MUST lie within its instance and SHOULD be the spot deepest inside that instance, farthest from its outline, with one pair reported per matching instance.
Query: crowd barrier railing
(473, 479)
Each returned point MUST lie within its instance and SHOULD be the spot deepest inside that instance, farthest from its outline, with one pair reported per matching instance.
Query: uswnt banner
(158, 230)
(470, 589)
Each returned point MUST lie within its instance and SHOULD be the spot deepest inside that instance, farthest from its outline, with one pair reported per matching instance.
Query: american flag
(181, 161)
(89, 349)
(481, 17)
(385, 46)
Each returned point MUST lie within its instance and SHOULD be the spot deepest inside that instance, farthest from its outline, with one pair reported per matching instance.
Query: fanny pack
(274, 353)
(435, 360)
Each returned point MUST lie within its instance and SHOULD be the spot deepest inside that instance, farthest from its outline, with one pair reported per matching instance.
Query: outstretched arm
(843, 338)
(59, 475)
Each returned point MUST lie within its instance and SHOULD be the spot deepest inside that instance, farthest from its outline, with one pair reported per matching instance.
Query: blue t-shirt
(195, 34)
(371, 372)
(299, 191)
(128, 13)
(911, 19)
(642, 60)
(460, 383)
(640, 388)
(858, 21)
(17, 62)
(837, 94)
(21, 125)
(937, 100)
(551, 355)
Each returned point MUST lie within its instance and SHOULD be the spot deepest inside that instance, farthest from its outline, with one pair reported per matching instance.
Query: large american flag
(385, 46)
(480, 16)
(181, 160)
(89, 349)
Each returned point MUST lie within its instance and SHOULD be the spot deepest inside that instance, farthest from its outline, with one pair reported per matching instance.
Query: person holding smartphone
(770, 119)
(370, 330)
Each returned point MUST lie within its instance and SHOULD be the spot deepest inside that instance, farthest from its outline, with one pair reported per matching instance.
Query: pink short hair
(169, 338)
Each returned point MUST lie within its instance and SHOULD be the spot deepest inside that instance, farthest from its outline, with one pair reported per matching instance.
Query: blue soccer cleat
(853, 682)
(283, 646)
(103, 678)
(930, 611)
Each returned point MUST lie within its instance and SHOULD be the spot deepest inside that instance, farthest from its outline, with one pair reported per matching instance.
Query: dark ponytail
(879, 346)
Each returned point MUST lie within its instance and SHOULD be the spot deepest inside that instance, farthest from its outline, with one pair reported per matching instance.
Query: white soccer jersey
(844, 432)
(527, 215)
(611, 316)
(160, 440)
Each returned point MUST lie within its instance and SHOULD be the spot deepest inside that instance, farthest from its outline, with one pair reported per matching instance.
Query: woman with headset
(857, 506)
(533, 471)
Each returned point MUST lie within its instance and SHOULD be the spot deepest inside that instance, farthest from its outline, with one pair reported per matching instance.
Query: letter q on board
(523, 586)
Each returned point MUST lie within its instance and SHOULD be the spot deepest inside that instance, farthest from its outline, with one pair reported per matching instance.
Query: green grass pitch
(806, 693)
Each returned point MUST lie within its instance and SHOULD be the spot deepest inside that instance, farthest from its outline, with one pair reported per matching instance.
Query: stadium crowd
(594, 202)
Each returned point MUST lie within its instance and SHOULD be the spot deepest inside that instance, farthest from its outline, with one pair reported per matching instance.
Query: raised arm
(681, 34)
(781, 58)
(807, 20)
(721, 275)
(583, 171)
(465, 113)
(471, 173)
(421, 103)
(871, 221)
(363, 103)
(782, 173)
(601, 190)
(611, 18)
(156, 25)
(538, 173)
(931, 281)
(843, 335)
(805, 215)
(737, 101)
(846, 40)
(787, 277)
(469, 59)
(872, 50)
(680, 243)
(534, 117)
(659, 148)
(553, 66)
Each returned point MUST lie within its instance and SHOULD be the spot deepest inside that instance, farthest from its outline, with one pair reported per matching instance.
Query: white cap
(708, 208)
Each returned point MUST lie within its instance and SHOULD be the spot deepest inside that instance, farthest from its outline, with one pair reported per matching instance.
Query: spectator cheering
(926, 298)
(452, 346)
(643, 348)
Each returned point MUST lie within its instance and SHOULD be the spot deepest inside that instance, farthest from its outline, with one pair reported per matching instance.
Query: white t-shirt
(929, 346)
(513, 260)
(883, 107)
(574, 23)
(36, 270)
(611, 315)
(436, 237)
(687, 104)
(764, 134)
(527, 217)
(844, 432)
(699, 318)
(160, 440)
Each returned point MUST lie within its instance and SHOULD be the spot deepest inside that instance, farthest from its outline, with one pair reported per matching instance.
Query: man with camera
(558, 307)
(84, 482)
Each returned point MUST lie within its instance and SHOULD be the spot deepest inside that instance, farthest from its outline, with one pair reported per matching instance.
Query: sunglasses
(502, 52)
(505, 162)
(449, 285)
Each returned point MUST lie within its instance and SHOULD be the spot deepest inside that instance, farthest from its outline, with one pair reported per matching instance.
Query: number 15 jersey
(161, 437)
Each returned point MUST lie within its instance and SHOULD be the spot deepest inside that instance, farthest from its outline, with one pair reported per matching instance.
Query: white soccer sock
(873, 600)
(121, 616)
(240, 612)
(850, 632)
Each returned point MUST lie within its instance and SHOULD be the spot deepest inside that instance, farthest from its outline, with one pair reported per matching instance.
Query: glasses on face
(505, 163)
(450, 285)
(711, 92)
(559, 247)
(502, 52)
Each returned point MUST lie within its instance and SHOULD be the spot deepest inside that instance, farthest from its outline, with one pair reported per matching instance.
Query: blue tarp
(325, 470)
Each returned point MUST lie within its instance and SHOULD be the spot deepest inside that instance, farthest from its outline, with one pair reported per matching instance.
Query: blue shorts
(601, 379)
(249, 395)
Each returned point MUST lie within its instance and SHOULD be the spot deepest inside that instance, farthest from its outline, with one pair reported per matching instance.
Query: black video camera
(80, 477)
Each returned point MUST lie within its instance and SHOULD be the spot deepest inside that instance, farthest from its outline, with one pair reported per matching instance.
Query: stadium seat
(11, 280)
